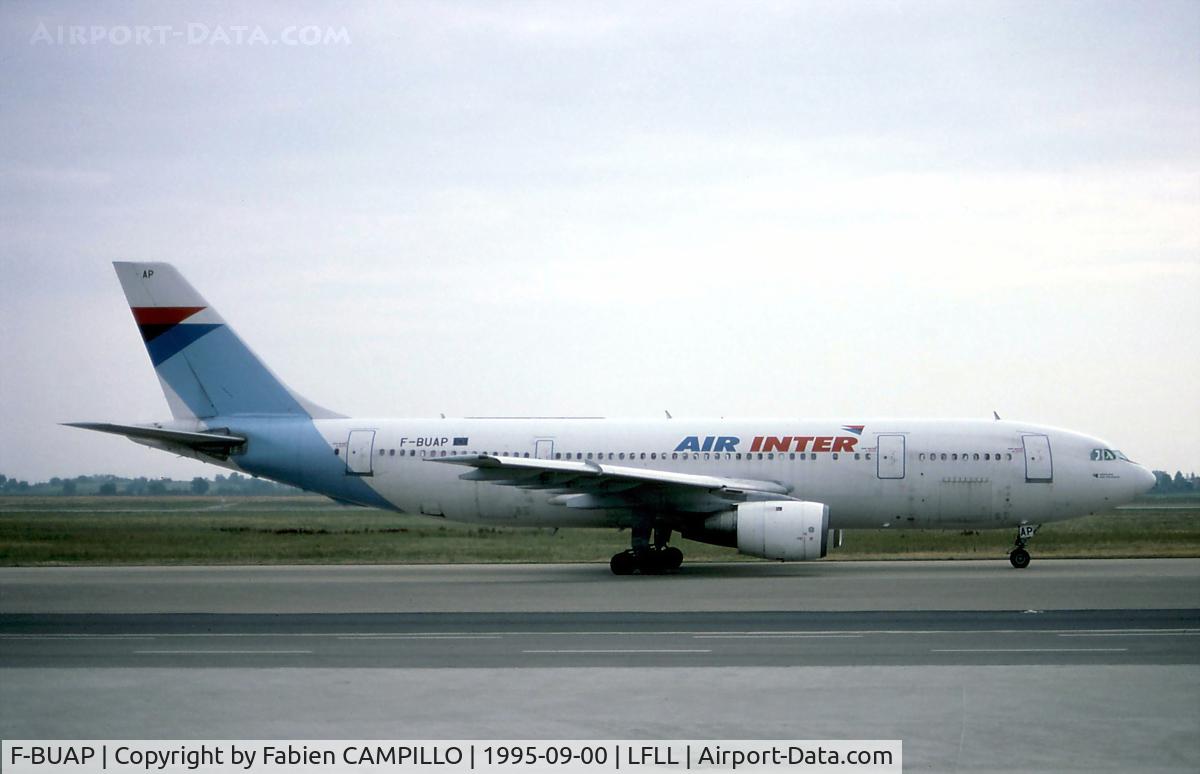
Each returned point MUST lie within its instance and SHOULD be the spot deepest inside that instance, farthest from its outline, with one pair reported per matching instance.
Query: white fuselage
(872, 473)
(772, 487)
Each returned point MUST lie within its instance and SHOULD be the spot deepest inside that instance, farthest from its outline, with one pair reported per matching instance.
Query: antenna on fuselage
(996, 415)
(668, 413)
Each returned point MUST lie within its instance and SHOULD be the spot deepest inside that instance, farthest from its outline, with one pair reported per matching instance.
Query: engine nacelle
(775, 529)
(783, 529)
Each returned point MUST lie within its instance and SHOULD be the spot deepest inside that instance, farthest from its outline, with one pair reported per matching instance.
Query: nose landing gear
(1019, 557)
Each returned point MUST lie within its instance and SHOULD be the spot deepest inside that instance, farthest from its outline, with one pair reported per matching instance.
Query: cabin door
(889, 458)
(358, 452)
(543, 449)
(1039, 465)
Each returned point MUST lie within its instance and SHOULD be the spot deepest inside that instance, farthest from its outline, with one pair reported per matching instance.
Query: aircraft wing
(217, 444)
(587, 484)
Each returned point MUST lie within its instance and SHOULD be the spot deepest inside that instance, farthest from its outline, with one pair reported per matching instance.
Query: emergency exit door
(359, 447)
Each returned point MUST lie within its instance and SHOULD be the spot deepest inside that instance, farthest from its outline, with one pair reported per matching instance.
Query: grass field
(313, 530)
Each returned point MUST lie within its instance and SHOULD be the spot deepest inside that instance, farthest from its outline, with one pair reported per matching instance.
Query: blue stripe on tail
(171, 341)
(214, 373)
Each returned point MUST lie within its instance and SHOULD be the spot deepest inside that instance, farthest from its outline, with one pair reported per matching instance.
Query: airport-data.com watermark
(190, 34)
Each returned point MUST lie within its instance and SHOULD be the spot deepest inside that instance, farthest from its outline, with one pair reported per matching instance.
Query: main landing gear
(1019, 557)
(645, 558)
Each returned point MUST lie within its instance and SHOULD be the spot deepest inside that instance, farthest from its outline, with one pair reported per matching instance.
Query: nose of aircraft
(1146, 480)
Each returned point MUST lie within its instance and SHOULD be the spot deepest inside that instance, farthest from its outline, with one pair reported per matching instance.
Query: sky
(810, 209)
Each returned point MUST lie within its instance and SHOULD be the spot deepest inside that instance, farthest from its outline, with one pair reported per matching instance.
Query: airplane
(772, 488)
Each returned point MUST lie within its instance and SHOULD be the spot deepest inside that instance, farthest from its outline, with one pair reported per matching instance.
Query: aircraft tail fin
(204, 367)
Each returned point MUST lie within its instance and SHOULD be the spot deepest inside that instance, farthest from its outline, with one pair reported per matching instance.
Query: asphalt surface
(698, 640)
(1064, 666)
(808, 586)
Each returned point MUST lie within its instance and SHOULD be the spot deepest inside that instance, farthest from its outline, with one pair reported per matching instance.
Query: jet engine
(790, 530)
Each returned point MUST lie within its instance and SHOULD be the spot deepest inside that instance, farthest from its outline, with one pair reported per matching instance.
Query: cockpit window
(1107, 455)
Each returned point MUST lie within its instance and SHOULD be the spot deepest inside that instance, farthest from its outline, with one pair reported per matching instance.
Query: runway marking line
(222, 652)
(78, 637)
(619, 651)
(695, 634)
(777, 636)
(1185, 633)
(1028, 650)
(353, 637)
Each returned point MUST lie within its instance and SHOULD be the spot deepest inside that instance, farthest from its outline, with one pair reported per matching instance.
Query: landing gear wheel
(1018, 556)
(623, 563)
(650, 562)
(647, 557)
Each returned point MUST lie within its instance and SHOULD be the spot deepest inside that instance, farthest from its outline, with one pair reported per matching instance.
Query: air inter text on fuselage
(769, 443)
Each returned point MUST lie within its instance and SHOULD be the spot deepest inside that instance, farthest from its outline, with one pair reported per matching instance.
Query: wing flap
(587, 484)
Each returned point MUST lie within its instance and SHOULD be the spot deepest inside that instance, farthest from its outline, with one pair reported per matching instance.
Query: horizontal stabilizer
(214, 443)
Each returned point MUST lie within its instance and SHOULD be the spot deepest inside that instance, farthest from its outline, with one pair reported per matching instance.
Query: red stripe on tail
(164, 315)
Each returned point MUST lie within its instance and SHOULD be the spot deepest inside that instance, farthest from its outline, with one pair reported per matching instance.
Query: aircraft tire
(623, 563)
(672, 557)
(1019, 558)
(650, 562)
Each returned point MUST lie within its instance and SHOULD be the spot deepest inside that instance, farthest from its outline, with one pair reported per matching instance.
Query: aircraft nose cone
(1146, 480)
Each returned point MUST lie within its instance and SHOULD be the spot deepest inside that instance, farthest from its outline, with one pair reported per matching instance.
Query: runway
(438, 640)
(1117, 584)
(1068, 665)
